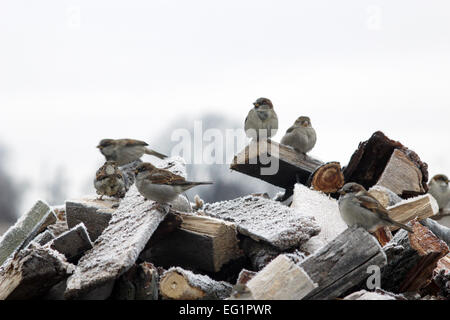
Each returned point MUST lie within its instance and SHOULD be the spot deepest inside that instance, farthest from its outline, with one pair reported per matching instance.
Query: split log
(421, 207)
(401, 174)
(343, 263)
(180, 284)
(32, 272)
(275, 163)
(141, 282)
(325, 211)
(383, 235)
(200, 242)
(95, 214)
(327, 178)
(44, 238)
(24, 230)
(442, 232)
(281, 279)
(412, 257)
(370, 159)
(384, 196)
(73, 243)
(118, 247)
(265, 220)
(441, 276)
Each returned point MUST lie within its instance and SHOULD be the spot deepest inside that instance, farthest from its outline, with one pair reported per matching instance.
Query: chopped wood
(32, 272)
(369, 161)
(327, 178)
(401, 174)
(441, 276)
(118, 247)
(324, 209)
(421, 207)
(384, 196)
(200, 242)
(383, 235)
(266, 220)
(95, 214)
(73, 243)
(24, 230)
(289, 167)
(141, 282)
(441, 231)
(180, 284)
(281, 279)
(412, 257)
(259, 253)
(343, 263)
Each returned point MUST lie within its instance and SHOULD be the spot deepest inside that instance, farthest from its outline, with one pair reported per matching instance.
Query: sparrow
(301, 135)
(161, 185)
(124, 151)
(358, 207)
(109, 181)
(261, 121)
(438, 188)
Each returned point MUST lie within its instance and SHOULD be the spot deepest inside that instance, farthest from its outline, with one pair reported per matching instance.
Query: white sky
(73, 72)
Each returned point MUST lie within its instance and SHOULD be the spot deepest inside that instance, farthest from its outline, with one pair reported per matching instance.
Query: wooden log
(441, 231)
(118, 247)
(421, 207)
(274, 163)
(24, 230)
(265, 220)
(441, 276)
(383, 235)
(95, 214)
(200, 242)
(73, 243)
(385, 196)
(370, 159)
(327, 178)
(141, 282)
(401, 174)
(32, 272)
(325, 211)
(180, 284)
(412, 257)
(343, 263)
(281, 279)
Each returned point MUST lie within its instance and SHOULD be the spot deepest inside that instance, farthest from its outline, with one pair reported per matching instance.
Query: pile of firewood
(295, 246)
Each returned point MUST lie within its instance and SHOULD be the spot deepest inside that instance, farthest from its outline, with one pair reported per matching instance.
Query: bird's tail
(400, 225)
(154, 153)
(190, 184)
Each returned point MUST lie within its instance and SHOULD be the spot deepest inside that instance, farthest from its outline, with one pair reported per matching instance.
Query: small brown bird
(261, 121)
(161, 185)
(109, 181)
(358, 207)
(124, 151)
(438, 188)
(301, 136)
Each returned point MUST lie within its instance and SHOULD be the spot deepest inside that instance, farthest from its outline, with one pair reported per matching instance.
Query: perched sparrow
(301, 136)
(358, 207)
(109, 181)
(438, 188)
(261, 117)
(161, 185)
(124, 151)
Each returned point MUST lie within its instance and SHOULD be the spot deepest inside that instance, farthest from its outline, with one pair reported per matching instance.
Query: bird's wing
(132, 142)
(370, 203)
(161, 176)
(290, 129)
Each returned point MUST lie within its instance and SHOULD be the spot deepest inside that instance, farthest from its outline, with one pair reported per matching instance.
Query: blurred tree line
(10, 194)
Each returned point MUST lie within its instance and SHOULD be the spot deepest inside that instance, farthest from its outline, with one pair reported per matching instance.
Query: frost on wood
(25, 229)
(266, 220)
(32, 272)
(326, 212)
(177, 283)
(73, 243)
(378, 294)
(117, 249)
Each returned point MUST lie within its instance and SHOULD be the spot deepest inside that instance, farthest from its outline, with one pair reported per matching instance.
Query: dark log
(141, 282)
(259, 253)
(412, 257)
(370, 159)
(327, 178)
(290, 166)
(441, 231)
(73, 243)
(441, 276)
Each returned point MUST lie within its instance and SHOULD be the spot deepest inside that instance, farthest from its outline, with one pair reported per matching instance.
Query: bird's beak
(256, 104)
(99, 147)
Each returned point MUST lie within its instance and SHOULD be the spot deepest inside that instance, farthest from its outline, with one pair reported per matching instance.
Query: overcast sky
(73, 72)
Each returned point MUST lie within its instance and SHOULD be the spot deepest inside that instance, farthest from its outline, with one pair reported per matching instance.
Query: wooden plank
(291, 167)
(265, 220)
